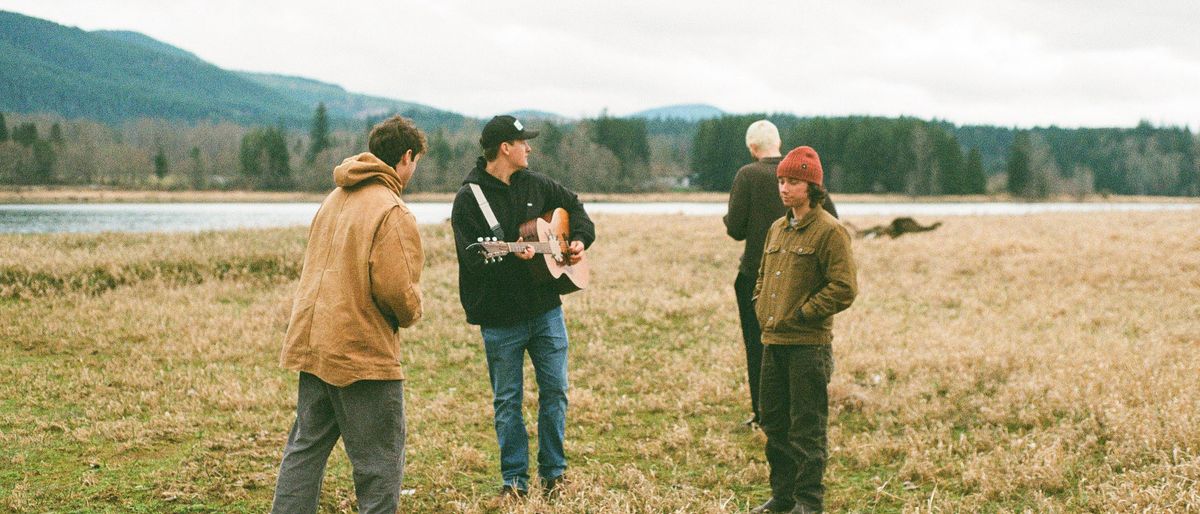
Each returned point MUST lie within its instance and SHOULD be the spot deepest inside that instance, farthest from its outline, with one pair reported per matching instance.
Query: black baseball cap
(504, 128)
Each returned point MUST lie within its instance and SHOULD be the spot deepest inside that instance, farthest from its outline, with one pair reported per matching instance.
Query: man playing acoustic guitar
(515, 311)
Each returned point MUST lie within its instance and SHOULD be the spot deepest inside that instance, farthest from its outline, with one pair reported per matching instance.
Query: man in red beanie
(753, 205)
(807, 275)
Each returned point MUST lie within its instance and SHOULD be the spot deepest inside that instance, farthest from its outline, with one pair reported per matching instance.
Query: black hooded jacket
(505, 293)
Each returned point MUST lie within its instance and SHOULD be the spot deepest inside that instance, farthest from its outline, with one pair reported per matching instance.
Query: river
(185, 217)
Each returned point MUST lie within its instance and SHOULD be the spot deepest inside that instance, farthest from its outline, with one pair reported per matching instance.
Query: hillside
(137, 38)
(347, 105)
(46, 67)
(115, 75)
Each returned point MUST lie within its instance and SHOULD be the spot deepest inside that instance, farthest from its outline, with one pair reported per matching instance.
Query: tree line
(612, 154)
(916, 157)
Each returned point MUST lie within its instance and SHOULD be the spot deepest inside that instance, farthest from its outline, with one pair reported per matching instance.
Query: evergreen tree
(318, 134)
(56, 135)
(718, 150)
(264, 159)
(197, 172)
(3, 129)
(947, 163)
(160, 163)
(626, 139)
(26, 134)
(974, 180)
(44, 161)
(551, 136)
(442, 154)
(1019, 173)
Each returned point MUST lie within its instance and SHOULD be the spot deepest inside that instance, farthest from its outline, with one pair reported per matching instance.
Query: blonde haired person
(753, 205)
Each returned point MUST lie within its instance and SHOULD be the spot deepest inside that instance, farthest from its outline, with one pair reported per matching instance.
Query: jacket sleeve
(396, 262)
(469, 225)
(738, 217)
(582, 228)
(841, 278)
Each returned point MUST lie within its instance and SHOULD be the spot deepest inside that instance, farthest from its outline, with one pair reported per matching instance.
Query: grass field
(1005, 364)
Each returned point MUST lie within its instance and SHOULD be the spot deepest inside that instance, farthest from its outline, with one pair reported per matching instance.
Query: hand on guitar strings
(525, 254)
(575, 252)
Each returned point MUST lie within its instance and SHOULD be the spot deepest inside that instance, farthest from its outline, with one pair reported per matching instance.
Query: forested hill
(47, 67)
(114, 76)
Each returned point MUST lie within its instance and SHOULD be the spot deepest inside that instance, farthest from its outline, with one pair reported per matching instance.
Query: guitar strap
(488, 215)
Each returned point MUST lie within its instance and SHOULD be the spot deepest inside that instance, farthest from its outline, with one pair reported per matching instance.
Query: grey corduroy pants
(368, 416)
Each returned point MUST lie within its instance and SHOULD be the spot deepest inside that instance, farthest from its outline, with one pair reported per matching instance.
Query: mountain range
(116, 75)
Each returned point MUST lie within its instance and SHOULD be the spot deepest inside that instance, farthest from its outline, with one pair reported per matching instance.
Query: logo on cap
(517, 123)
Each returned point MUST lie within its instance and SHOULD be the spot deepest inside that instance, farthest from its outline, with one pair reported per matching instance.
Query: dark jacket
(505, 293)
(753, 205)
(807, 275)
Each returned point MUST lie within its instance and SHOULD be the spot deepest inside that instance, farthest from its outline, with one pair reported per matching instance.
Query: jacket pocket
(792, 272)
(765, 305)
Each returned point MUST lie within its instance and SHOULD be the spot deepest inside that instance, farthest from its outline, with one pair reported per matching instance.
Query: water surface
(184, 217)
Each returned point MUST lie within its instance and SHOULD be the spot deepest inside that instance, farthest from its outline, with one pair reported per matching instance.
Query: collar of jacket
(772, 160)
(479, 175)
(805, 221)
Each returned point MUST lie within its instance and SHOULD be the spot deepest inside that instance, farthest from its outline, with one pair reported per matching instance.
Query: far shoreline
(67, 195)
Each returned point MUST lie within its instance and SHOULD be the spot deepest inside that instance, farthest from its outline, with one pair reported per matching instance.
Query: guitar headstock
(491, 249)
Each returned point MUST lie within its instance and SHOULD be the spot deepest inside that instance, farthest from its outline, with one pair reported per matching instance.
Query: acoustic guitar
(549, 236)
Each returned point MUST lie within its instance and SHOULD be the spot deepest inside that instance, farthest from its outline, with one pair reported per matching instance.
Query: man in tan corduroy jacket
(359, 285)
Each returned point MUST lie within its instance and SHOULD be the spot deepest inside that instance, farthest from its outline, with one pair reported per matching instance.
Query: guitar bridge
(555, 247)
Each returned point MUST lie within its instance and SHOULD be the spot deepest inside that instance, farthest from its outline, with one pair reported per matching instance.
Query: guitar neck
(538, 247)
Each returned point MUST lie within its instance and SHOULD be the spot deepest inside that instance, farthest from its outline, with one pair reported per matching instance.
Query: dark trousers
(369, 417)
(795, 413)
(743, 287)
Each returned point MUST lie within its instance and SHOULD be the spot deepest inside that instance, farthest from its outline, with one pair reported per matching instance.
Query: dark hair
(816, 194)
(393, 137)
(491, 152)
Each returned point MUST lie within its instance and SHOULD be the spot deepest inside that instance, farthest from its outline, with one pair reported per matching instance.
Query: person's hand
(525, 254)
(576, 252)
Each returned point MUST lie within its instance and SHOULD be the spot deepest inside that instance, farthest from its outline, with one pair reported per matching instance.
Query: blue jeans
(545, 338)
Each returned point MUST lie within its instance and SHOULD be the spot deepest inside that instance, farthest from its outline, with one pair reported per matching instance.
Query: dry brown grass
(1025, 364)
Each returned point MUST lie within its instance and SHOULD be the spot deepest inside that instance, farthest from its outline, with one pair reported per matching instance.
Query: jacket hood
(363, 167)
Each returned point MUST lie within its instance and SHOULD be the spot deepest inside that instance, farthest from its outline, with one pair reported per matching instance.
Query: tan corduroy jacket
(807, 275)
(360, 280)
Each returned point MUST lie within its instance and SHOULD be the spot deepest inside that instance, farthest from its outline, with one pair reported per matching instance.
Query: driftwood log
(896, 228)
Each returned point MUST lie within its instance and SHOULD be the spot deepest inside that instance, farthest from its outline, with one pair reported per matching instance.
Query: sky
(1070, 63)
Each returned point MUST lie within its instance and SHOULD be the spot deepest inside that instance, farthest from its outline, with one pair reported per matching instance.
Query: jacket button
(777, 273)
(772, 295)
(770, 318)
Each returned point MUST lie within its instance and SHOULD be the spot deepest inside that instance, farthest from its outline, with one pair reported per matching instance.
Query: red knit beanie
(802, 163)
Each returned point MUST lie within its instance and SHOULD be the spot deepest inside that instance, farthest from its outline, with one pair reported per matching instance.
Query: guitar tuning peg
(480, 240)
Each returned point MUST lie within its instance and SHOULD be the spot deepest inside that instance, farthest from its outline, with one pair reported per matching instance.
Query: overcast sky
(1025, 63)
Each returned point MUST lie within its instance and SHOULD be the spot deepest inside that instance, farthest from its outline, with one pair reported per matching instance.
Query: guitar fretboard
(538, 246)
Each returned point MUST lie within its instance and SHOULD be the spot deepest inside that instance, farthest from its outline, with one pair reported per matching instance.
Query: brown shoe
(508, 494)
(553, 488)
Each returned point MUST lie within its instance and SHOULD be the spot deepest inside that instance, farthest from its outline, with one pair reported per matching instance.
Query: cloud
(1070, 63)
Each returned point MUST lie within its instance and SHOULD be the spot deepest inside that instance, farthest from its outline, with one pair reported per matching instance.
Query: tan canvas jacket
(807, 275)
(360, 281)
